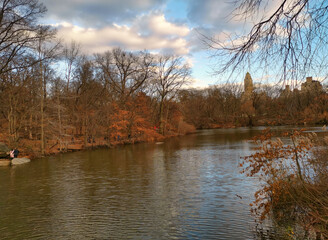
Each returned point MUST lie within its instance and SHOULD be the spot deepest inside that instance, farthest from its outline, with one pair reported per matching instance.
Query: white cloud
(198, 83)
(157, 24)
(161, 35)
(189, 61)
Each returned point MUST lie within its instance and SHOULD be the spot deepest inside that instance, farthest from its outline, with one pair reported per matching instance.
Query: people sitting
(14, 153)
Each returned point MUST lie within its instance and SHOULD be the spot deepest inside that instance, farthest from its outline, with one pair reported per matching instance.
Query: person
(16, 152)
(11, 154)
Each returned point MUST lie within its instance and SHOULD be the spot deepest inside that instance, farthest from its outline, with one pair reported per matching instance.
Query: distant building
(287, 88)
(311, 86)
(286, 92)
(248, 87)
(248, 83)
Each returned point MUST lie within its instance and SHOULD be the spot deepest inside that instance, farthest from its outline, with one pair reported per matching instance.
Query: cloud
(220, 21)
(98, 12)
(140, 24)
(215, 14)
(151, 32)
(197, 84)
(212, 19)
(155, 23)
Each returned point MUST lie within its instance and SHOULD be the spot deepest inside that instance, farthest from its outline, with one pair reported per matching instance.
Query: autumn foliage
(295, 183)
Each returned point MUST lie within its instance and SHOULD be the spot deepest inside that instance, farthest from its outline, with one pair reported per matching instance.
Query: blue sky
(159, 26)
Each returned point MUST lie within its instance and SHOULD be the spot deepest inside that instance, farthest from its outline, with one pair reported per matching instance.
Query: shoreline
(77, 145)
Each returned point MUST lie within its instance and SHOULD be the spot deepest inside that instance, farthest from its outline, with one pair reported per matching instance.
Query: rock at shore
(4, 162)
(4, 150)
(18, 161)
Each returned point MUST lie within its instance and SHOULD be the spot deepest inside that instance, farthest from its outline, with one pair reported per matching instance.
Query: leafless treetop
(289, 39)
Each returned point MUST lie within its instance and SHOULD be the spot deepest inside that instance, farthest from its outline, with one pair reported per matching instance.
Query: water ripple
(183, 189)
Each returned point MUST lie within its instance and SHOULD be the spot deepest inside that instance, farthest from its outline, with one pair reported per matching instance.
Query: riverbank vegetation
(266, 105)
(285, 39)
(294, 176)
(54, 98)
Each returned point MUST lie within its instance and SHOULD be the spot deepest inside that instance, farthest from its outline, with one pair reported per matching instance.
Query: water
(185, 188)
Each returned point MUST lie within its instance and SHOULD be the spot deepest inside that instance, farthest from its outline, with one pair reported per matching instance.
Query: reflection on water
(183, 189)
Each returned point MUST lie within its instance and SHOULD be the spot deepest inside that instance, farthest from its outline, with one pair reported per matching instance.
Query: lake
(188, 187)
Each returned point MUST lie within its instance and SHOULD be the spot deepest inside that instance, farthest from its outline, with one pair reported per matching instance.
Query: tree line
(224, 106)
(53, 97)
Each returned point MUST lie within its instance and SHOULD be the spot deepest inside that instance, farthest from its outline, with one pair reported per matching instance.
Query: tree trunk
(30, 128)
(167, 116)
(59, 124)
(42, 109)
(10, 120)
(68, 77)
(318, 236)
(161, 117)
(85, 131)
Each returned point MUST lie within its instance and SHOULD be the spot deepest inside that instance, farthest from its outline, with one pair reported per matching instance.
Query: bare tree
(290, 40)
(90, 94)
(71, 54)
(171, 74)
(47, 52)
(19, 31)
(125, 72)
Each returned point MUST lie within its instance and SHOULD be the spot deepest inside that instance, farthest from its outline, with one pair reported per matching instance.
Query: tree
(125, 72)
(14, 101)
(294, 178)
(46, 53)
(289, 37)
(170, 75)
(23, 48)
(71, 55)
(88, 94)
(19, 31)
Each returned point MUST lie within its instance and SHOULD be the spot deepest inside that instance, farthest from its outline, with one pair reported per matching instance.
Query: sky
(158, 26)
